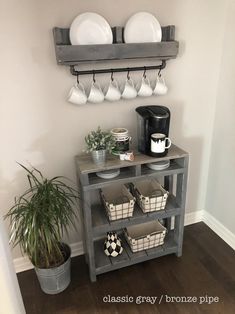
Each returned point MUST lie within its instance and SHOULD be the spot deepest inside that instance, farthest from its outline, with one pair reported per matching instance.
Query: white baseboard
(193, 217)
(77, 249)
(223, 232)
(23, 263)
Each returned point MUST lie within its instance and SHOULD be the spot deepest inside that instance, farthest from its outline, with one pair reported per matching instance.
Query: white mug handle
(82, 87)
(131, 82)
(169, 145)
(97, 85)
(114, 83)
(163, 80)
(146, 80)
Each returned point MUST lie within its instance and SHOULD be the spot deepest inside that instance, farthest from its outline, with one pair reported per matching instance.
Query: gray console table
(96, 223)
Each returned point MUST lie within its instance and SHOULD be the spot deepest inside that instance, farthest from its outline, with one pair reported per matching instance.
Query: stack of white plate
(108, 174)
(160, 165)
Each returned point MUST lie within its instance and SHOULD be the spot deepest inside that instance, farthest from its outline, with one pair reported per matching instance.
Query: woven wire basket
(150, 195)
(118, 201)
(145, 236)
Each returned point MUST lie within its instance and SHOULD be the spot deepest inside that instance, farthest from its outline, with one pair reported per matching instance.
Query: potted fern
(98, 143)
(38, 220)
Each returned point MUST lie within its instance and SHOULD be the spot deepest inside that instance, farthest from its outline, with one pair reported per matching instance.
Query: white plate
(108, 174)
(142, 27)
(90, 29)
(159, 165)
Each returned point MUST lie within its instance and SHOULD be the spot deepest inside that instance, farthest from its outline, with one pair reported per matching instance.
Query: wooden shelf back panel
(67, 54)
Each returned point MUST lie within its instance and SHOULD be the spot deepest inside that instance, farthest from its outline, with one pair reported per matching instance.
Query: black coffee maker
(151, 119)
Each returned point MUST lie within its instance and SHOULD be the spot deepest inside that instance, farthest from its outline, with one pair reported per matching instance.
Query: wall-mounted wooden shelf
(67, 54)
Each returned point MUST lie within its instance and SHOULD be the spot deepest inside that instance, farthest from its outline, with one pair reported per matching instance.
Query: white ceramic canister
(122, 138)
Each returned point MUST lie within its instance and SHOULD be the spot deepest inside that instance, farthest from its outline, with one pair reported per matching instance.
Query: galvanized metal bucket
(55, 280)
(99, 156)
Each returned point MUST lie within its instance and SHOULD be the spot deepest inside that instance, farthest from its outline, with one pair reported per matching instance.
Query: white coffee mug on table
(159, 143)
(160, 87)
(77, 94)
(95, 94)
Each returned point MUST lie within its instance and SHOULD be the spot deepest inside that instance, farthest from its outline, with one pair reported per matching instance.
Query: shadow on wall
(194, 146)
(11, 188)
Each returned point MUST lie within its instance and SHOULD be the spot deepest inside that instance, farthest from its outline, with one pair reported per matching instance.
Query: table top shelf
(87, 166)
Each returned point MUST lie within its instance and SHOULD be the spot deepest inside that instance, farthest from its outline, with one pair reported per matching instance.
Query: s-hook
(112, 75)
(163, 65)
(159, 72)
(128, 74)
(144, 74)
(93, 76)
(78, 79)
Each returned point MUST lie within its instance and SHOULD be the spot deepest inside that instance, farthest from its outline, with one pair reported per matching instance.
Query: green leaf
(41, 215)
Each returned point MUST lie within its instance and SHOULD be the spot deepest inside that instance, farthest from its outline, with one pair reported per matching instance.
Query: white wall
(11, 300)
(221, 184)
(38, 125)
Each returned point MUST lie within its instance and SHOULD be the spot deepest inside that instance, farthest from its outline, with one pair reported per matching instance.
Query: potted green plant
(38, 220)
(98, 143)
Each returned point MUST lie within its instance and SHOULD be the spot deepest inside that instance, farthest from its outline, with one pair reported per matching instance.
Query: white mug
(160, 87)
(77, 95)
(95, 95)
(158, 143)
(129, 91)
(144, 88)
(112, 92)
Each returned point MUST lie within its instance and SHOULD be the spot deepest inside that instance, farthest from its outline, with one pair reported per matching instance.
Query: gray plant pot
(55, 280)
(99, 156)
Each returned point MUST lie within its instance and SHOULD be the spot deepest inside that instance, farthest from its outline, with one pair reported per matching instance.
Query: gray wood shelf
(105, 264)
(128, 174)
(101, 223)
(96, 223)
(67, 54)
(87, 166)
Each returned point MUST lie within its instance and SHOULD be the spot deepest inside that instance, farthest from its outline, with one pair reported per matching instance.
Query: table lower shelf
(101, 223)
(105, 264)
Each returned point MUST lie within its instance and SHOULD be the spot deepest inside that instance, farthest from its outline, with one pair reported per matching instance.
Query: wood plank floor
(207, 268)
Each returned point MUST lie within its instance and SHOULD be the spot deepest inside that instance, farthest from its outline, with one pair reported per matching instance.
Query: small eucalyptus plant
(99, 140)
